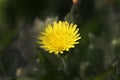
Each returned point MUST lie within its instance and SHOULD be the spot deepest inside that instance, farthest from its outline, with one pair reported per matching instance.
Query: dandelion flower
(59, 37)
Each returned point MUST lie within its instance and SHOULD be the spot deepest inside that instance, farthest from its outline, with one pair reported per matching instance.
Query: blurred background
(97, 57)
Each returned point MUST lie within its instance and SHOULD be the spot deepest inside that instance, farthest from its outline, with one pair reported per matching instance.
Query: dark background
(97, 57)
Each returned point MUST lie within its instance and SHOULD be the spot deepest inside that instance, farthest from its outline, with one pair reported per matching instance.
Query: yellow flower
(59, 36)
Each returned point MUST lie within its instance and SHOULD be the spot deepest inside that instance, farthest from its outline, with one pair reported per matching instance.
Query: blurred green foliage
(97, 57)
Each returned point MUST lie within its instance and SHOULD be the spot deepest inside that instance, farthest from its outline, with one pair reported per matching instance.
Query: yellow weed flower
(59, 36)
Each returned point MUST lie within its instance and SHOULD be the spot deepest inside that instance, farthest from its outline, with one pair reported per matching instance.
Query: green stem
(63, 65)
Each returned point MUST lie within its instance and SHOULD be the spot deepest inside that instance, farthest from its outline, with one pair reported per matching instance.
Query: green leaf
(104, 76)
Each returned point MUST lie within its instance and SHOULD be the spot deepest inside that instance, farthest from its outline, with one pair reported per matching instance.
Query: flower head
(59, 36)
